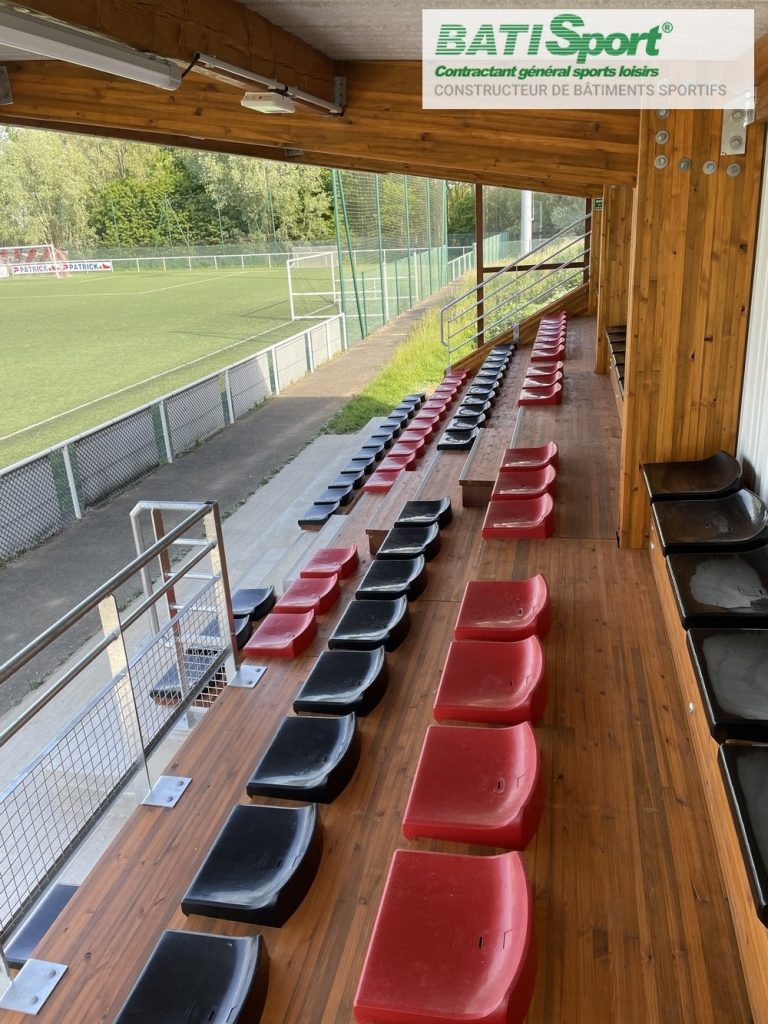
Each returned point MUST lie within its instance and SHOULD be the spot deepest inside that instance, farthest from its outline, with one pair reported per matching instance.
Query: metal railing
(182, 652)
(41, 495)
(499, 303)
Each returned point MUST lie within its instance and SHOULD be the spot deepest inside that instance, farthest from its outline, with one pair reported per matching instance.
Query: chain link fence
(42, 495)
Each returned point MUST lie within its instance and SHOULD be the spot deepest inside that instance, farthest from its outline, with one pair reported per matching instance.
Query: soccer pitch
(73, 342)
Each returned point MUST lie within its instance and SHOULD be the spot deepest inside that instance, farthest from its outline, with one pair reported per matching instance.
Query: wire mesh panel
(249, 384)
(50, 806)
(30, 506)
(116, 455)
(195, 414)
(178, 665)
(291, 360)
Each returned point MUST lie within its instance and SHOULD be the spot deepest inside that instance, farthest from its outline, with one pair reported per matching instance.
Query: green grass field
(70, 342)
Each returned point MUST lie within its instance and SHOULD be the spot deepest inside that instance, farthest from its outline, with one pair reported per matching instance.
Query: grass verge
(417, 365)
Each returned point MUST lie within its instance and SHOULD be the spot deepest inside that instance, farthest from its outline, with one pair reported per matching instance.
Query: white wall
(752, 447)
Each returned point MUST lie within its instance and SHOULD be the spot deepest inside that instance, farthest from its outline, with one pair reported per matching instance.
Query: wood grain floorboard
(631, 919)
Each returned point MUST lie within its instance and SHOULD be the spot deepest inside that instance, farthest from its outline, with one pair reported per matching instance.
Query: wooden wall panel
(693, 244)
(613, 280)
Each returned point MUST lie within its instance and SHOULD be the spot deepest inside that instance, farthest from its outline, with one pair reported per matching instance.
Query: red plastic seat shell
(382, 480)
(395, 462)
(400, 447)
(520, 518)
(452, 941)
(542, 380)
(340, 562)
(282, 635)
(423, 431)
(544, 369)
(515, 484)
(503, 610)
(497, 683)
(316, 594)
(546, 355)
(552, 395)
(530, 458)
(478, 786)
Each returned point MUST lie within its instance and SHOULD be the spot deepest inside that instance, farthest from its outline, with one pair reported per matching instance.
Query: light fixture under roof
(30, 33)
(268, 102)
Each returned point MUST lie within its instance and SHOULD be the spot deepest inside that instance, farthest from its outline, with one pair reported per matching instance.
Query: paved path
(43, 584)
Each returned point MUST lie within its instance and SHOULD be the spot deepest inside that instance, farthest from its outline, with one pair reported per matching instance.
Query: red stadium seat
(503, 610)
(552, 395)
(340, 562)
(382, 480)
(530, 458)
(524, 483)
(542, 380)
(497, 683)
(478, 786)
(520, 518)
(282, 635)
(401, 447)
(394, 462)
(546, 355)
(452, 942)
(544, 369)
(318, 595)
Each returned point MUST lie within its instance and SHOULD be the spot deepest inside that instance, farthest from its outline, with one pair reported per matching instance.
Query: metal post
(166, 432)
(480, 264)
(429, 233)
(228, 393)
(409, 250)
(71, 482)
(144, 573)
(212, 524)
(444, 280)
(124, 692)
(381, 251)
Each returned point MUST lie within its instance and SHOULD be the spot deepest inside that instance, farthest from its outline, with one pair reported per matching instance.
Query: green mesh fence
(392, 245)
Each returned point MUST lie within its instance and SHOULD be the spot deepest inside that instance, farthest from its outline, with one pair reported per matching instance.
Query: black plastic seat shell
(335, 496)
(318, 515)
(365, 625)
(703, 478)
(731, 669)
(308, 758)
(353, 477)
(260, 867)
(721, 589)
(375, 449)
(196, 978)
(397, 577)
(344, 681)
(744, 769)
(26, 939)
(253, 602)
(425, 513)
(457, 440)
(410, 542)
(360, 463)
(731, 522)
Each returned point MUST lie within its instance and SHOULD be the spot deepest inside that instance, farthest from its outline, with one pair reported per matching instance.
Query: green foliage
(418, 364)
(461, 209)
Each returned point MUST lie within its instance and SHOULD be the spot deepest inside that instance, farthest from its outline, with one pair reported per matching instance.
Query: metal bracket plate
(247, 676)
(733, 141)
(167, 791)
(32, 986)
(6, 96)
(340, 91)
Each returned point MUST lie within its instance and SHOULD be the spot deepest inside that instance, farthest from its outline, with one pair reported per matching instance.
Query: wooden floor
(631, 921)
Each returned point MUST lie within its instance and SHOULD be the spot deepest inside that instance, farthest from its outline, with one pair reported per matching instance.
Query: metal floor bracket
(32, 986)
(167, 791)
(247, 676)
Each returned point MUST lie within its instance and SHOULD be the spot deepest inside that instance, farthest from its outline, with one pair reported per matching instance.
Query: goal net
(313, 285)
(22, 260)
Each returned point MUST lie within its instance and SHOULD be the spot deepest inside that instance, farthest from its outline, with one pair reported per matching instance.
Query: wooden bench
(482, 467)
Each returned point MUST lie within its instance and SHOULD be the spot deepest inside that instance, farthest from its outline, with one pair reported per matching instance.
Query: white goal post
(313, 289)
(21, 260)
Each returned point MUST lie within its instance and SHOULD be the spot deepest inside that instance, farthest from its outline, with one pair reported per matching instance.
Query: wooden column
(693, 244)
(613, 279)
(592, 273)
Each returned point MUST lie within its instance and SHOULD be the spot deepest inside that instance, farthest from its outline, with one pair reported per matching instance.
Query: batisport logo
(593, 58)
(563, 36)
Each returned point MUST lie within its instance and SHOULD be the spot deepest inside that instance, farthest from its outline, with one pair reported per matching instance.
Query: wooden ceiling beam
(512, 150)
(176, 29)
(304, 157)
